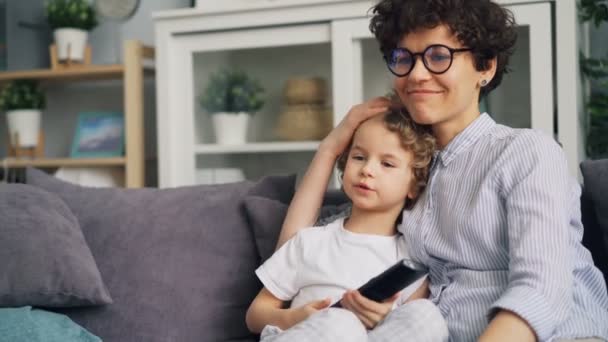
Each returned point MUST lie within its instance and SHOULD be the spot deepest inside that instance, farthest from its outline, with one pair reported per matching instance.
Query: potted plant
(23, 101)
(596, 71)
(70, 21)
(231, 97)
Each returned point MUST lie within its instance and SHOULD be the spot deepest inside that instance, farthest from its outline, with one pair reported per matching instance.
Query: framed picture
(99, 134)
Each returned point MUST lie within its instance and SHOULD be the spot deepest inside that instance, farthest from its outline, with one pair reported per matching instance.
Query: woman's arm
(507, 326)
(266, 309)
(307, 200)
(541, 204)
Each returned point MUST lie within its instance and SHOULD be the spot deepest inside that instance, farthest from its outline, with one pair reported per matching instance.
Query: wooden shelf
(93, 72)
(131, 72)
(89, 73)
(267, 147)
(64, 162)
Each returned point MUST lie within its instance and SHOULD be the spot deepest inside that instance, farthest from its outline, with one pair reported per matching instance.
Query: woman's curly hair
(484, 26)
(416, 138)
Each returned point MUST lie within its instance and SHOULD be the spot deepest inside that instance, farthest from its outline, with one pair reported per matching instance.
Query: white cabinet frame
(181, 33)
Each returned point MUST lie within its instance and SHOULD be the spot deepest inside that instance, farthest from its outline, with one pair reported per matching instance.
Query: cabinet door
(524, 99)
(272, 55)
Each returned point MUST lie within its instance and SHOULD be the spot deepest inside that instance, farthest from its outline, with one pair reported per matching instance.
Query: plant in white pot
(23, 102)
(71, 21)
(231, 97)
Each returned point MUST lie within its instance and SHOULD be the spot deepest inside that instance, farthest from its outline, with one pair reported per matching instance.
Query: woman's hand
(339, 138)
(306, 202)
(369, 312)
(297, 315)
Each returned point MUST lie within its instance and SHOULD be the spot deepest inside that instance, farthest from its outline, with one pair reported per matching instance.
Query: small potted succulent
(71, 21)
(23, 102)
(231, 97)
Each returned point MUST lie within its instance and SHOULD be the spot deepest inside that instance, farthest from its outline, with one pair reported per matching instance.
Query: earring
(483, 83)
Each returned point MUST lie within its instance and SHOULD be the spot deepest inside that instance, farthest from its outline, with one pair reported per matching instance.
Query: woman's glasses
(436, 59)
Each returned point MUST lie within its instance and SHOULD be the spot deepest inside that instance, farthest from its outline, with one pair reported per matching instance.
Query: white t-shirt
(324, 262)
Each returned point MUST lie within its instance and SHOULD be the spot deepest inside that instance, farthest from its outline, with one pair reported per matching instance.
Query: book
(394, 279)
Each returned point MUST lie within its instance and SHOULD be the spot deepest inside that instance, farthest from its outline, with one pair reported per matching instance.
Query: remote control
(394, 279)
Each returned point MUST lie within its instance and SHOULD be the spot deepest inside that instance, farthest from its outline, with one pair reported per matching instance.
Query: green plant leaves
(232, 91)
(22, 94)
(594, 10)
(77, 14)
(596, 70)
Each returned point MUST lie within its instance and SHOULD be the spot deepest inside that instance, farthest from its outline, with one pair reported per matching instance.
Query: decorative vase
(70, 43)
(230, 128)
(300, 90)
(24, 123)
(304, 122)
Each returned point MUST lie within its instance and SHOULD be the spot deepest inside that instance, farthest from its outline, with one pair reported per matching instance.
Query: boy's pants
(418, 320)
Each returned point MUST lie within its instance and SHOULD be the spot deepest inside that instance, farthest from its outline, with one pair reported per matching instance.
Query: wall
(106, 37)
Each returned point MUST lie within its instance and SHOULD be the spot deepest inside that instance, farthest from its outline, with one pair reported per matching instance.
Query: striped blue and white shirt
(499, 227)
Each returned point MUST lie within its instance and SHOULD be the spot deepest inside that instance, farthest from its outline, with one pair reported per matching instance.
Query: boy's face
(378, 173)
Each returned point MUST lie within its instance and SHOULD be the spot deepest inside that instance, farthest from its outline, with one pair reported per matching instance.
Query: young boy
(383, 171)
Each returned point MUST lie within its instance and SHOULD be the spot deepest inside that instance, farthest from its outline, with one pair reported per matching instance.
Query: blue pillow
(25, 324)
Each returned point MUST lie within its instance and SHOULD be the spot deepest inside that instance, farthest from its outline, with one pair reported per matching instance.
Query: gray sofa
(176, 265)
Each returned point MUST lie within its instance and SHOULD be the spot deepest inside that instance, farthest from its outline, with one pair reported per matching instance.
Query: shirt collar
(466, 138)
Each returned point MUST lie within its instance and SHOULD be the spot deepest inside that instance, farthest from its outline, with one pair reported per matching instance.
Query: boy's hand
(339, 138)
(297, 315)
(369, 312)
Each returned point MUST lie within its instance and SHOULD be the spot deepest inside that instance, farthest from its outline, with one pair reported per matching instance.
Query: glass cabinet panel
(276, 140)
(272, 67)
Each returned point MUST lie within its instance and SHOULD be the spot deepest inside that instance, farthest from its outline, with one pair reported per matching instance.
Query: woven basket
(305, 91)
(304, 122)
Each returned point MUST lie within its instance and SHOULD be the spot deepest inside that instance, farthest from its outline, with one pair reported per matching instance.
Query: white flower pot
(70, 43)
(230, 128)
(26, 123)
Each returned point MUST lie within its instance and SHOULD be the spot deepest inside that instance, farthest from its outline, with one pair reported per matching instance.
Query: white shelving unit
(269, 147)
(330, 38)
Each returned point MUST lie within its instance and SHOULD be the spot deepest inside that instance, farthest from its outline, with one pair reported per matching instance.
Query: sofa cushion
(266, 216)
(45, 259)
(25, 324)
(594, 204)
(179, 262)
(266, 211)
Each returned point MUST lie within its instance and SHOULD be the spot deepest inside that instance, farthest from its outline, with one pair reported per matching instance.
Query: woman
(499, 224)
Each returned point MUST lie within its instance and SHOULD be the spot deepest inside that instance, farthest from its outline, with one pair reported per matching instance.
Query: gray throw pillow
(179, 262)
(45, 259)
(266, 216)
(595, 174)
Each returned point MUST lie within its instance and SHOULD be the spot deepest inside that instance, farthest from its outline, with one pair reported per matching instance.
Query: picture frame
(98, 135)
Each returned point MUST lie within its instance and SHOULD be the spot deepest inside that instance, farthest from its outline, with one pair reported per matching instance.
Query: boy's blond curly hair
(415, 138)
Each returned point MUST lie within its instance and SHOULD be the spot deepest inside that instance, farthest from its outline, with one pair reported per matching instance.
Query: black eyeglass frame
(421, 54)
